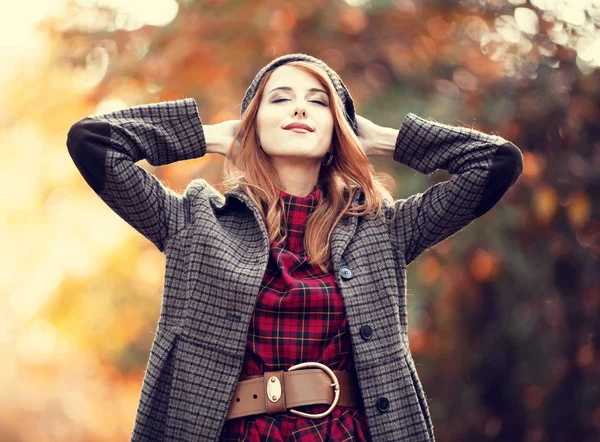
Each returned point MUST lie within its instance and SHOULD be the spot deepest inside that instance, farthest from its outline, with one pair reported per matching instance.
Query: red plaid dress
(299, 317)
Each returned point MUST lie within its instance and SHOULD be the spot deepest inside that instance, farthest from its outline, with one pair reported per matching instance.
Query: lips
(299, 126)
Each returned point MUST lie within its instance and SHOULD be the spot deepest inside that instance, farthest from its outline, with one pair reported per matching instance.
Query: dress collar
(311, 199)
(297, 209)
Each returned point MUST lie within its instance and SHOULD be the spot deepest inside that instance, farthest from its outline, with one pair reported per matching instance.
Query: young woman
(284, 312)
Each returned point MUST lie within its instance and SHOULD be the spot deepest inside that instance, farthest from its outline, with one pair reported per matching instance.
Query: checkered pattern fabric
(299, 317)
(217, 252)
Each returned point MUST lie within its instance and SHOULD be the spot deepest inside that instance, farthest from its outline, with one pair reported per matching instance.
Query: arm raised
(106, 147)
(485, 167)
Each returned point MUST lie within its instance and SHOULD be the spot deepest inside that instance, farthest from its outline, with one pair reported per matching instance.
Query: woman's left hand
(368, 134)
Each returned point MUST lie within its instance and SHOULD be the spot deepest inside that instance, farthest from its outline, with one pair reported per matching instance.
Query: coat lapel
(340, 237)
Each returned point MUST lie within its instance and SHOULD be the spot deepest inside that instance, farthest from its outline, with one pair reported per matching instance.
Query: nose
(300, 110)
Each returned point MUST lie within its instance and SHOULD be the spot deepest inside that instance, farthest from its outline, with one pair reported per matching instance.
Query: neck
(298, 176)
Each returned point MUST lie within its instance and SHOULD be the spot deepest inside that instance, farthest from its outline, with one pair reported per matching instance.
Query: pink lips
(299, 126)
(298, 130)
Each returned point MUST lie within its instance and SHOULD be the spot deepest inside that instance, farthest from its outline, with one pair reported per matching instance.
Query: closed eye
(312, 101)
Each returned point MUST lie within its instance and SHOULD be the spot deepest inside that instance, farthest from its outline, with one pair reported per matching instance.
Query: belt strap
(298, 388)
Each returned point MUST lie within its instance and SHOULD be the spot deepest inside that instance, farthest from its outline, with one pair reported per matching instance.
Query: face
(295, 104)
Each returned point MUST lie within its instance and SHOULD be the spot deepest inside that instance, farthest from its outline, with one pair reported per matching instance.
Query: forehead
(292, 76)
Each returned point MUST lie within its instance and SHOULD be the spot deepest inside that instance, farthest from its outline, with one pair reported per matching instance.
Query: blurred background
(504, 316)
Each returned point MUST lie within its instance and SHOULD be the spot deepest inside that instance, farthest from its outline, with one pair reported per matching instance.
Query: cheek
(268, 121)
(328, 127)
(263, 125)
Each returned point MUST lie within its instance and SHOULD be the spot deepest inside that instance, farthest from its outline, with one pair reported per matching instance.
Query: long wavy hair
(349, 171)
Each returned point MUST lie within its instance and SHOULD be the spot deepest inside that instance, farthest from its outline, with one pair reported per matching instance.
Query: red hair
(349, 171)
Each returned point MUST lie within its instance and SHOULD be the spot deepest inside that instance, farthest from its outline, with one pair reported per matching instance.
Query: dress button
(346, 273)
(383, 403)
(366, 332)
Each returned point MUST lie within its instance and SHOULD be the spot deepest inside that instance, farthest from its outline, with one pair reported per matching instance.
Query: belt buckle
(335, 385)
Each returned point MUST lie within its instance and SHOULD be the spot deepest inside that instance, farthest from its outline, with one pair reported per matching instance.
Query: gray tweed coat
(216, 252)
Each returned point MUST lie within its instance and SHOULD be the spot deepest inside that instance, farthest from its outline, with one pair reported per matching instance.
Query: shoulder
(200, 196)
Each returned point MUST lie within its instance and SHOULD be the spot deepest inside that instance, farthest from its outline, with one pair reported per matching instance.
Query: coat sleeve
(106, 147)
(484, 168)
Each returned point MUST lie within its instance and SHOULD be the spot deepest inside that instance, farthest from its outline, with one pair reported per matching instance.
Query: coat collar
(340, 237)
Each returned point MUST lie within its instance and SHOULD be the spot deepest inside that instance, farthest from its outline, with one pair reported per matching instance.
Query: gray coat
(217, 250)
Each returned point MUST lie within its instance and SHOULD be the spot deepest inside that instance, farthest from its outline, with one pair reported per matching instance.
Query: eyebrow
(287, 88)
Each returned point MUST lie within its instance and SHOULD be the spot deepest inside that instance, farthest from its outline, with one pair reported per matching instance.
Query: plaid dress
(299, 317)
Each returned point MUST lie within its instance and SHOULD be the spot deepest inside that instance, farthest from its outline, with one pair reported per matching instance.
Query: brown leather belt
(278, 391)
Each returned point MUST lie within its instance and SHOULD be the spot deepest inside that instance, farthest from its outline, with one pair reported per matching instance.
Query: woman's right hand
(219, 136)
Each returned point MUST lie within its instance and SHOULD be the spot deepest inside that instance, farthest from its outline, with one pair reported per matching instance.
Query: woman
(303, 260)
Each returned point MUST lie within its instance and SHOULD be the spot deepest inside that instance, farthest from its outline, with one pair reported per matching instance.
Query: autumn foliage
(504, 316)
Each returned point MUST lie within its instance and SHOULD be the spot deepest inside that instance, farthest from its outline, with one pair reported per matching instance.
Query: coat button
(346, 273)
(366, 332)
(383, 403)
